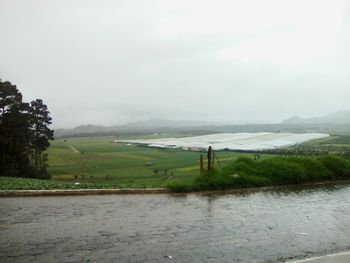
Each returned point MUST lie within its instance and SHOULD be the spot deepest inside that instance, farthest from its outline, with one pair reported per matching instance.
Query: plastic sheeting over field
(231, 141)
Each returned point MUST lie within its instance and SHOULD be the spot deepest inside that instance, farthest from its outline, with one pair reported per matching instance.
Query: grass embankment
(245, 172)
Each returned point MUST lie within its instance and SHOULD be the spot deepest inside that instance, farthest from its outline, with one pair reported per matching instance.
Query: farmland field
(98, 162)
(99, 159)
(332, 144)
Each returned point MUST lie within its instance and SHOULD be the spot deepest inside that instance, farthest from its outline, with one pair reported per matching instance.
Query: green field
(100, 160)
(332, 144)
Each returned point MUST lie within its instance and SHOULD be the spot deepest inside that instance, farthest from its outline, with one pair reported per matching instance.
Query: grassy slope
(103, 161)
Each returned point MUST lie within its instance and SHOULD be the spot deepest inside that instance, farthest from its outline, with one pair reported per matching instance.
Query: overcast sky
(111, 62)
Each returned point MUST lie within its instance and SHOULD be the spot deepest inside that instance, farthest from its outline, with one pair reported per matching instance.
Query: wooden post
(201, 165)
(209, 155)
(212, 165)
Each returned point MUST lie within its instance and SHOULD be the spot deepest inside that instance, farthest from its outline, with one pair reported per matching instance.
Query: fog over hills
(293, 124)
(339, 117)
(153, 125)
(171, 123)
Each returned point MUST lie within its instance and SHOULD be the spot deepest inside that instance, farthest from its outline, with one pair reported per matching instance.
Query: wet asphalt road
(265, 226)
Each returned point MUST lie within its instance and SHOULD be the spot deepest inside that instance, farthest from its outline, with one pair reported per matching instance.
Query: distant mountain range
(160, 123)
(153, 125)
(340, 117)
(293, 124)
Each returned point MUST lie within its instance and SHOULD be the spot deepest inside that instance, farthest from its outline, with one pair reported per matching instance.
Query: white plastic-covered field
(231, 141)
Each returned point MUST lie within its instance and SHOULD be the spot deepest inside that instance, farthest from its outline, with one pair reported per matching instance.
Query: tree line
(24, 134)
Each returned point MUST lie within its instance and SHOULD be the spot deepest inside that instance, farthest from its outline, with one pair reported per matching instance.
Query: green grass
(245, 172)
(332, 144)
(104, 164)
(103, 161)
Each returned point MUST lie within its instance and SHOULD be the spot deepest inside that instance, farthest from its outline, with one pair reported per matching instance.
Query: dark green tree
(13, 127)
(41, 134)
(24, 134)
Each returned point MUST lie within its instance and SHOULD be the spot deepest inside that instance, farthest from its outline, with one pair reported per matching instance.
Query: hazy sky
(110, 62)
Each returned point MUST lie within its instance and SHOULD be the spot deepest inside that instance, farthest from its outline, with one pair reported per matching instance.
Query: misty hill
(159, 123)
(340, 117)
(333, 123)
(82, 129)
(140, 127)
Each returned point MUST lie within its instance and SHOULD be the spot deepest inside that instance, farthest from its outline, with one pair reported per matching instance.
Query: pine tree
(41, 134)
(12, 129)
(24, 134)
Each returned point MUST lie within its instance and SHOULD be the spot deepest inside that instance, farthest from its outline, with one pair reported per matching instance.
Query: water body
(262, 226)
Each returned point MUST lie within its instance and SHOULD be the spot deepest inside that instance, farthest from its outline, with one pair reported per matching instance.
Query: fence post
(209, 155)
(201, 165)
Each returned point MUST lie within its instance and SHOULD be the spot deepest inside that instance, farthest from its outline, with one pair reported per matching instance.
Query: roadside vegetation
(242, 172)
(12, 183)
(246, 172)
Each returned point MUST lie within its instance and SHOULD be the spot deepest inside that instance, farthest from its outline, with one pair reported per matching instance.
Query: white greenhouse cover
(231, 141)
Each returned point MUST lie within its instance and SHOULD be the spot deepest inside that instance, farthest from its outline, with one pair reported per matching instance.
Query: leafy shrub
(280, 171)
(314, 169)
(242, 164)
(245, 172)
(339, 167)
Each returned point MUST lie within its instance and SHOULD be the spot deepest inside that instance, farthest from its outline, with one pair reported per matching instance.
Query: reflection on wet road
(262, 226)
